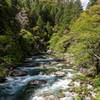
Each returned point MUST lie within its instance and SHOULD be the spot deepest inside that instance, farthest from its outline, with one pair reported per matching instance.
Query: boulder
(59, 74)
(34, 83)
(18, 73)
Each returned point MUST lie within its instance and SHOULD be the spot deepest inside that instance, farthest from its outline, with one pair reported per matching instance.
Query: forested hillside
(26, 26)
(82, 40)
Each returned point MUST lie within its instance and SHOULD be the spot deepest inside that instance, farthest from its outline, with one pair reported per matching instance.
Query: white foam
(67, 98)
(59, 85)
(69, 75)
(37, 98)
(76, 84)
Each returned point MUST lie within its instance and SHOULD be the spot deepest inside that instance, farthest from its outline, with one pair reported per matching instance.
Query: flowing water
(43, 68)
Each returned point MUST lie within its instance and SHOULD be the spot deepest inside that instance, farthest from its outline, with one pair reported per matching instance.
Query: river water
(56, 74)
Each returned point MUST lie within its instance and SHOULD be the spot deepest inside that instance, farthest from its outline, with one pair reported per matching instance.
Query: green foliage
(86, 36)
(66, 14)
(91, 3)
(83, 39)
(26, 41)
(47, 20)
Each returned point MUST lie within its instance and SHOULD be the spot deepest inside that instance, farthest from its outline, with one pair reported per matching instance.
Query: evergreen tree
(40, 22)
(78, 7)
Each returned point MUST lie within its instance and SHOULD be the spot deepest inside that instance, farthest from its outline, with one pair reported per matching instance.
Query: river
(54, 75)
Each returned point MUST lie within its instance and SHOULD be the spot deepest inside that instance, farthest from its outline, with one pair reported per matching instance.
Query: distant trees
(66, 15)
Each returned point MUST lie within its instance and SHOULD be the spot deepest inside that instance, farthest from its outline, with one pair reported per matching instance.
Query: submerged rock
(34, 83)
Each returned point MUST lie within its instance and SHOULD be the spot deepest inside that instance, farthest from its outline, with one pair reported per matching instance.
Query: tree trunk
(97, 66)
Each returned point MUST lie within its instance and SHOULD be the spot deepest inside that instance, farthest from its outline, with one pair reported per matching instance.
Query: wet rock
(18, 73)
(34, 83)
(59, 74)
(54, 63)
(28, 59)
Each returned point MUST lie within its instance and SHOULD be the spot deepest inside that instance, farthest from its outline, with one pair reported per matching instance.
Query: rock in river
(18, 73)
(59, 74)
(34, 83)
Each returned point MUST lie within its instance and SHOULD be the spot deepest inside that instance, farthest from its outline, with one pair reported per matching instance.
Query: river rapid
(50, 77)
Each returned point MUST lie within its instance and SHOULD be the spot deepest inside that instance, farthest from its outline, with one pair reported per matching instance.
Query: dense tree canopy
(28, 27)
(83, 40)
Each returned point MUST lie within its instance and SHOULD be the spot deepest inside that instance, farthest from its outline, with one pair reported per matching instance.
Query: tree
(78, 7)
(91, 3)
(86, 39)
(40, 22)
